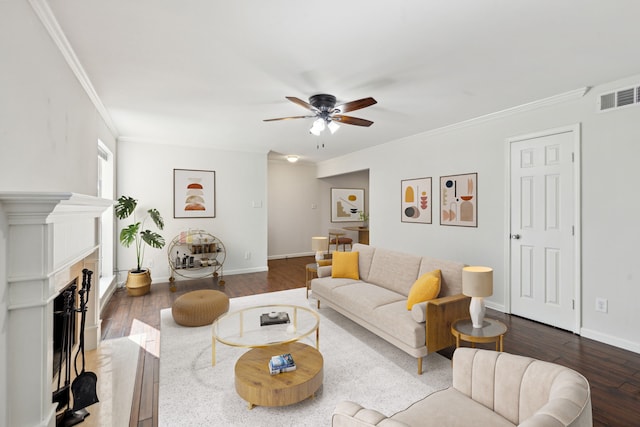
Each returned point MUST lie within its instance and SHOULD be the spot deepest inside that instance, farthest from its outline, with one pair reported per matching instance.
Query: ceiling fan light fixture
(333, 126)
(318, 127)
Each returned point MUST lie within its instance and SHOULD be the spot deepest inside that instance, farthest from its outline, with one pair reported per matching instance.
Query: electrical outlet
(601, 305)
(247, 255)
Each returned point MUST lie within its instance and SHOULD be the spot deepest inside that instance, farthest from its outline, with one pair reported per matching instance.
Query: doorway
(544, 228)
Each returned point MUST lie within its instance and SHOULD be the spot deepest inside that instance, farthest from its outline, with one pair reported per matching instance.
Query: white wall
(610, 232)
(299, 206)
(48, 131)
(145, 172)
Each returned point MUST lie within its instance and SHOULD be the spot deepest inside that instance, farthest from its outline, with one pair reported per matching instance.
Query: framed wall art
(194, 193)
(346, 203)
(416, 200)
(459, 200)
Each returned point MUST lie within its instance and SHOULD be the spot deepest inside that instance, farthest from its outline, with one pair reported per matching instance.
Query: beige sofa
(378, 300)
(490, 389)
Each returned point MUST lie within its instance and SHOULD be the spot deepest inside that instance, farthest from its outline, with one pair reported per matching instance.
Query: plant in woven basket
(135, 233)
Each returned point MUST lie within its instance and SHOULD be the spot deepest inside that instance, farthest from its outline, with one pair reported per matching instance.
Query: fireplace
(59, 326)
(51, 237)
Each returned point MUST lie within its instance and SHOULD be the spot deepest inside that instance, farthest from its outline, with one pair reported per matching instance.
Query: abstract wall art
(194, 193)
(415, 205)
(346, 203)
(459, 200)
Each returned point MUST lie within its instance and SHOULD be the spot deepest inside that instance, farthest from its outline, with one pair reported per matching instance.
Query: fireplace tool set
(84, 384)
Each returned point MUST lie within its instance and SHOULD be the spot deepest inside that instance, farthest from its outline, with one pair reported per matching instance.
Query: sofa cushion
(450, 271)
(449, 408)
(426, 287)
(345, 265)
(364, 259)
(394, 270)
(324, 287)
(363, 298)
(396, 321)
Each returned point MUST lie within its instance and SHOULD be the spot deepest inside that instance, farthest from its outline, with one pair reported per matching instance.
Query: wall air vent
(619, 98)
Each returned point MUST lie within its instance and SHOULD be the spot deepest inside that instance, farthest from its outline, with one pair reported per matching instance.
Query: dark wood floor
(614, 374)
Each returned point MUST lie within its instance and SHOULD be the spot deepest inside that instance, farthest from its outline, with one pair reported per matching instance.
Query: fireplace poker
(84, 385)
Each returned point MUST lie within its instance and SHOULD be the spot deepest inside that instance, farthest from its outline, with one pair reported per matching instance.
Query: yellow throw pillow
(425, 288)
(345, 265)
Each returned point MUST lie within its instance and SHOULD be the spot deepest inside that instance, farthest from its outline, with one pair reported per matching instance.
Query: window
(105, 190)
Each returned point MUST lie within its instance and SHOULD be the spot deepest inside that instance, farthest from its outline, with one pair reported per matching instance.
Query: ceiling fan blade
(348, 120)
(355, 105)
(303, 104)
(287, 118)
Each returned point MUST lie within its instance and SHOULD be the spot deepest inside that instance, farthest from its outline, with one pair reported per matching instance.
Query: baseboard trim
(164, 279)
(611, 340)
(295, 255)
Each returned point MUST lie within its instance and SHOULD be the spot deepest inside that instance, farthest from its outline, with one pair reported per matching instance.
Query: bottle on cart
(178, 261)
(184, 261)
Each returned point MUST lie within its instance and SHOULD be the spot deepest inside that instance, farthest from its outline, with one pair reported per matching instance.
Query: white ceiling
(207, 72)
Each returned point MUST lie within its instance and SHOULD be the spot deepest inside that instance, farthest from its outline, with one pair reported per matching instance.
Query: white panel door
(542, 230)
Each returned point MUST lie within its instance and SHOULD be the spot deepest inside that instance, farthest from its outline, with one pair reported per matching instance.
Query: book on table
(274, 318)
(281, 363)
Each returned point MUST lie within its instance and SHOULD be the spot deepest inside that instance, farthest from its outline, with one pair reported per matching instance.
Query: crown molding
(50, 23)
(545, 102)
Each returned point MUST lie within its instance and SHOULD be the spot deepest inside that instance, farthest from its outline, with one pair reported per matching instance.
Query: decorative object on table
(364, 217)
(346, 203)
(477, 283)
(274, 318)
(416, 201)
(281, 363)
(194, 193)
(139, 279)
(459, 200)
(320, 245)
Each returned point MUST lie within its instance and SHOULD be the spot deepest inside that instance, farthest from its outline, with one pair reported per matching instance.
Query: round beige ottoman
(199, 308)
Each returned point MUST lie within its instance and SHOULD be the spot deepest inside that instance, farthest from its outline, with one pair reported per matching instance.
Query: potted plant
(139, 279)
(364, 217)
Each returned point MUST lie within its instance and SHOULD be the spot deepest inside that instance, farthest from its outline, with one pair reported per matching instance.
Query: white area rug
(358, 366)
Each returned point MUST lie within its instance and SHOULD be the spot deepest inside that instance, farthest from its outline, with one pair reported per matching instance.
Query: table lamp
(477, 283)
(320, 245)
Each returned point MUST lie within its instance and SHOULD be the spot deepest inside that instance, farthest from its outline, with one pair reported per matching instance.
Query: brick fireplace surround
(51, 238)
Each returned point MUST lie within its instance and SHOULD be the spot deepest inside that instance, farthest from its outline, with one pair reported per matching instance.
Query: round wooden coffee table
(257, 386)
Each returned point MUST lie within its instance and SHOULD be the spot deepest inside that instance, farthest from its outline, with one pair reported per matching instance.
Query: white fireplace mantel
(50, 236)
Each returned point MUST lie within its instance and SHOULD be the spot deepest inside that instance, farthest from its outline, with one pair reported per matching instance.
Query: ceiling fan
(327, 114)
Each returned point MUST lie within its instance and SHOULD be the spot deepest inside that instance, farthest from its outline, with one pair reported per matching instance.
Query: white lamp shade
(319, 244)
(477, 281)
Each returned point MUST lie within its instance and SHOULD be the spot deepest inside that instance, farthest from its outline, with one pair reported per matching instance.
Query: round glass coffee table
(264, 326)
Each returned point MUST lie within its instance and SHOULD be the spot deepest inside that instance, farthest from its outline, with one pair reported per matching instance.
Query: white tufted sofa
(490, 389)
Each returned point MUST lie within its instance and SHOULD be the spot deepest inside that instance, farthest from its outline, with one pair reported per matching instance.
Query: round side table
(310, 270)
(492, 331)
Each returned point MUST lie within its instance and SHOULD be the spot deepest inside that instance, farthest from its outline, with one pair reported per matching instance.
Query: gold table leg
(213, 351)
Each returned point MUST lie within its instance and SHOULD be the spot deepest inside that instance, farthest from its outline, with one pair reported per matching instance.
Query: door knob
(515, 236)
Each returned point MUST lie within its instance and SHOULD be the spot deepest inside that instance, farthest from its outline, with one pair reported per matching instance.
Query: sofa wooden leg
(419, 365)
